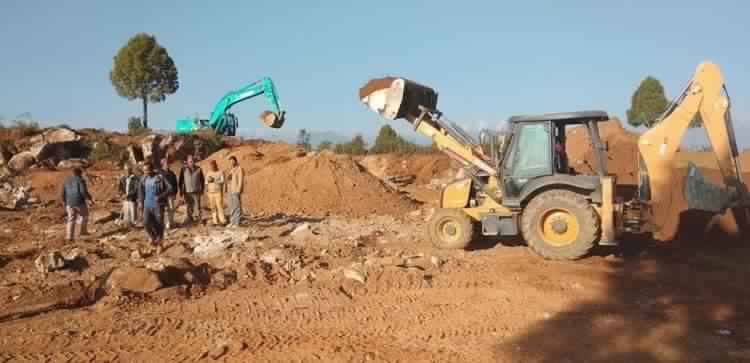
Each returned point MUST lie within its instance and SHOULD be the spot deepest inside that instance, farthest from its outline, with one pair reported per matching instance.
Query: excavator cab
(537, 156)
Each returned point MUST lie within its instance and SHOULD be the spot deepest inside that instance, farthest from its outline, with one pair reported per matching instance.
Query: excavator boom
(704, 96)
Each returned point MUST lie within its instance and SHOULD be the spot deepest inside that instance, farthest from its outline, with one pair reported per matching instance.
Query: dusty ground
(684, 301)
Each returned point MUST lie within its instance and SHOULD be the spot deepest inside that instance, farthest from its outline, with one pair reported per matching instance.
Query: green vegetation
(144, 70)
(325, 145)
(388, 141)
(98, 151)
(135, 126)
(214, 141)
(28, 128)
(357, 146)
(647, 103)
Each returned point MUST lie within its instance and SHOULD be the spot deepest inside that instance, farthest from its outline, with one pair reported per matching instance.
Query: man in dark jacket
(170, 204)
(191, 188)
(128, 188)
(153, 191)
(75, 195)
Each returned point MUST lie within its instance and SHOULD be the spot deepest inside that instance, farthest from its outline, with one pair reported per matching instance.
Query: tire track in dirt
(274, 326)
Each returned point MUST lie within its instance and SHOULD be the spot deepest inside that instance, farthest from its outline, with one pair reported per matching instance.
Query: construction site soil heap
(282, 178)
(622, 151)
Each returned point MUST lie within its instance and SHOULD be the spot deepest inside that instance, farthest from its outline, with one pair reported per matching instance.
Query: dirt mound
(282, 178)
(423, 167)
(622, 153)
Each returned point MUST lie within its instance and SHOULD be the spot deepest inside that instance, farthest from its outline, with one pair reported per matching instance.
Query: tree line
(387, 141)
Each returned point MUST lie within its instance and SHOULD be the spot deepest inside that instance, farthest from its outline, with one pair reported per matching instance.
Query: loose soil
(622, 152)
(375, 85)
(685, 300)
(284, 179)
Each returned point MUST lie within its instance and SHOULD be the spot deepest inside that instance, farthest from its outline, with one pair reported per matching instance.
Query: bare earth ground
(683, 301)
(686, 301)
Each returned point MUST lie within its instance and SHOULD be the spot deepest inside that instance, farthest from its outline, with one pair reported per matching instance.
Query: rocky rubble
(55, 143)
(134, 279)
(55, 260)
(22, 161)
(216, 243)
(13, 196)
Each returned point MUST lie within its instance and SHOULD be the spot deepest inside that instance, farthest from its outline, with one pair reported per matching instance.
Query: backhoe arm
(703, 96)
(395, 98)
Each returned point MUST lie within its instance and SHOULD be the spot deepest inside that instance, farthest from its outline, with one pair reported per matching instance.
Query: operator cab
(537, 157)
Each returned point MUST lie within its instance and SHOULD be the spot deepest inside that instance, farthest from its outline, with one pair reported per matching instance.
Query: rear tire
(450, 229)
(560, 225)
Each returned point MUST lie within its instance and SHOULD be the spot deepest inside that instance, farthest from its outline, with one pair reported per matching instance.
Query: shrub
(135, 126)
(28, 128)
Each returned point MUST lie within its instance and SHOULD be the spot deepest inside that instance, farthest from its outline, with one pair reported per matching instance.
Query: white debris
(216, 243)
(355, 275)
(437, 261)
(301, 229)
(50, 262)
(724, 332)
(273, 256)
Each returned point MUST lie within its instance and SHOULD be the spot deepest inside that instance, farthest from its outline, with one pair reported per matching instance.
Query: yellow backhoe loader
(520, 183)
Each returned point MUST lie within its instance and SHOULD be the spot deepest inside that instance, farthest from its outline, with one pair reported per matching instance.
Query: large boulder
(150, 146)
(12, 197)
(5, 173)
(135, 279)
(57, 144)
(22, 161)
(135, 154)
(55, 136)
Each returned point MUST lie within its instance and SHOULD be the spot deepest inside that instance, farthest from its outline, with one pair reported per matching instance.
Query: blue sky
(488, 59)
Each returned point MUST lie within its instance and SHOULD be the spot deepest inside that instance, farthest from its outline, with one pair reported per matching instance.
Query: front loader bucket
(395, 98)
(702, 194)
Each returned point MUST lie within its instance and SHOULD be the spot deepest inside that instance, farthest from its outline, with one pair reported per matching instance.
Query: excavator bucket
(395, 98)
(702, 194)
(272, 119)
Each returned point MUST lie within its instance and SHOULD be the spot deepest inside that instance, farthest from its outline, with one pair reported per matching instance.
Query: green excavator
(225, 123)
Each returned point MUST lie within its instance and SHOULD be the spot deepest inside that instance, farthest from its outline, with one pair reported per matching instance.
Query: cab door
(530, 157)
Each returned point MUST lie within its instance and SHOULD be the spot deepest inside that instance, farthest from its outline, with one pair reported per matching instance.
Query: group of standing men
(154, 195)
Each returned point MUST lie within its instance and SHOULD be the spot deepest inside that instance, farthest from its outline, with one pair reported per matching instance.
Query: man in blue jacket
(76, 197)
(154, 190)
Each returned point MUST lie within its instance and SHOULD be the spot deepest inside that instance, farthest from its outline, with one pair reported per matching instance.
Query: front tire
(560, 225)
(450, 229)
